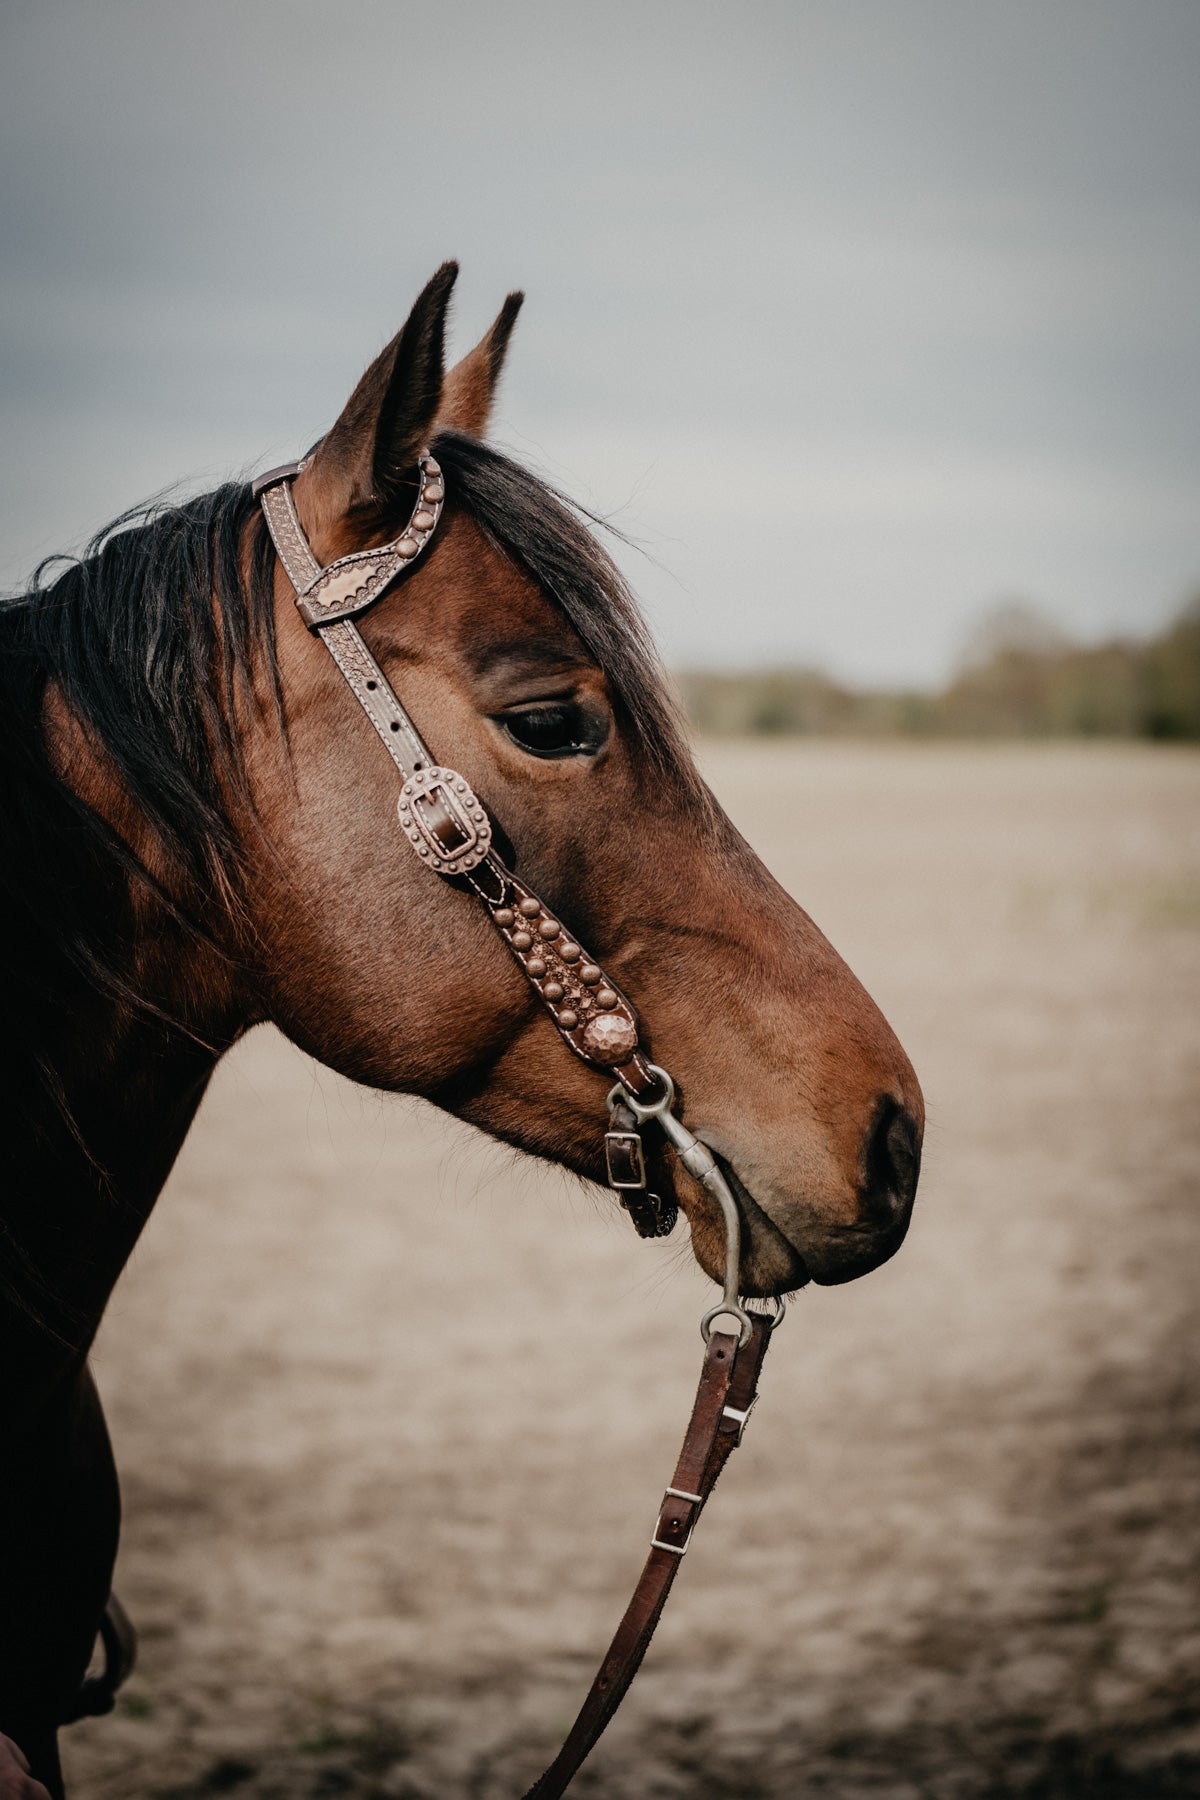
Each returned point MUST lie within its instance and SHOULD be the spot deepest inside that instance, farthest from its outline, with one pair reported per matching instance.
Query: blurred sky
(857, 315)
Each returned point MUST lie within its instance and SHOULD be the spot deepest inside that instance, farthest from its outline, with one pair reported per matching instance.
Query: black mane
(126, 640)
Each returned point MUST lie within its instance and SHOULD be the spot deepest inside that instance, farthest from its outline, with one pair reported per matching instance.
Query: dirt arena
(393, 1409)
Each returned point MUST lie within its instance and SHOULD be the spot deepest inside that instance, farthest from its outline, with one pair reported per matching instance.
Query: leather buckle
(444, 821)
(696, 1500)
(626, 1160)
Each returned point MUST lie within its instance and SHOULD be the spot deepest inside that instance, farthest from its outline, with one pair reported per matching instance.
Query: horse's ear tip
(506, 319)
(437, 290)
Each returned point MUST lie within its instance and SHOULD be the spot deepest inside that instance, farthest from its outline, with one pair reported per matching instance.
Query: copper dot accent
(505, 916)
(408, 546)
(610, 1039)
(536, 967)
(434, 491)
(432, 469)
(569, 952)
(423, 520)
(549, 928)
(568, 1019)
(521, 940)
(553, 990)
(606, 998)
(529, 909)
(590, 972)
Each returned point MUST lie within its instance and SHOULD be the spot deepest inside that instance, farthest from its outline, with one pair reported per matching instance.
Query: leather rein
(449, 829)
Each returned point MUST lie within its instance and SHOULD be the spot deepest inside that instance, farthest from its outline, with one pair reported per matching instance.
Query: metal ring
(735, 1311)
(779, 1301)
(620, 1095)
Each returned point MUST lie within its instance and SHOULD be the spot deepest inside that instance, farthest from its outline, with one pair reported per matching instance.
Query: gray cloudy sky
(858, 315)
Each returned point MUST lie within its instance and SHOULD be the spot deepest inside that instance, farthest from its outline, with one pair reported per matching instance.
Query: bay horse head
(516, 649)
(199, 831)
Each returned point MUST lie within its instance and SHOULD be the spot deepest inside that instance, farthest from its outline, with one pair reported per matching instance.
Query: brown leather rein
(449, 828)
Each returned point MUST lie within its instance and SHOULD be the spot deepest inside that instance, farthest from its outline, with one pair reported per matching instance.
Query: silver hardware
(700, 1162)
(739, 1416)
(656, 1543)
(779, 1302)
(630, 1140)
(451, 790)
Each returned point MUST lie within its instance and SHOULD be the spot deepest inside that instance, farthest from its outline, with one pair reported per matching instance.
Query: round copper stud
(529, 909)
(505, 916)
(568, 1019)
(590, 972)
(408, 546)
(553, 990)
(606, 998)
(569, 952)
(610, 1040)
(521, 940)
(550, 928)
(423, 520)
(434, 491)
(432, 469)
(536, 967)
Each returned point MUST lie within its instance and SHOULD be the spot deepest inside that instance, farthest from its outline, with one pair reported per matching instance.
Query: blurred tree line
(1020, 677)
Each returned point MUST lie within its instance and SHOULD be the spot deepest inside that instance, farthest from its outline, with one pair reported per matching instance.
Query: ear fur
(390, 415)
(470, 387)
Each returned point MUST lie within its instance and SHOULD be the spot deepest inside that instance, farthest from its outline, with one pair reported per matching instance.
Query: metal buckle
(656, 1542)
(739, 1418)
(422, 795)
(617, 1146)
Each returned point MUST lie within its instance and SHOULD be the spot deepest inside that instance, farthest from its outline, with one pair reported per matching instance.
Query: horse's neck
(85, 1163)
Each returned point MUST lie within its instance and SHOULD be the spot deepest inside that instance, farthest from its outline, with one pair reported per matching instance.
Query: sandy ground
(393, 1409)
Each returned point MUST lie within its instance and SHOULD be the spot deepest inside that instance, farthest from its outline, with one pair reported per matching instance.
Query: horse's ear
(390, 415)
(471, 384)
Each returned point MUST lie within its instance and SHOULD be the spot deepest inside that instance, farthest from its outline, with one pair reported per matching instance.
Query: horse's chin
(771, 1263)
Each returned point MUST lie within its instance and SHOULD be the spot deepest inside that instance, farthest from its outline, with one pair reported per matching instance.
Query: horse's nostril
(892, 1161)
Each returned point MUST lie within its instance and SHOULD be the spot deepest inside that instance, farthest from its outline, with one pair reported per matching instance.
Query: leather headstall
(449, 827)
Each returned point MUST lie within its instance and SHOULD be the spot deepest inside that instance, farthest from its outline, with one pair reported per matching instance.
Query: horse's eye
(555, 728)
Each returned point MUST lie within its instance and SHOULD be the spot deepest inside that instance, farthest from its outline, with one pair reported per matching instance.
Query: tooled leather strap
(724, 1399)
(446, 824)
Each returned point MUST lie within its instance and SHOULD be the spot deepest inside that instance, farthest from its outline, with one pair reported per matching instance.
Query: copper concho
(444, 821)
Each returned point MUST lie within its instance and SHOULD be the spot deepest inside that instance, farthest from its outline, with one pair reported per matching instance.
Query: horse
(199, 836)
